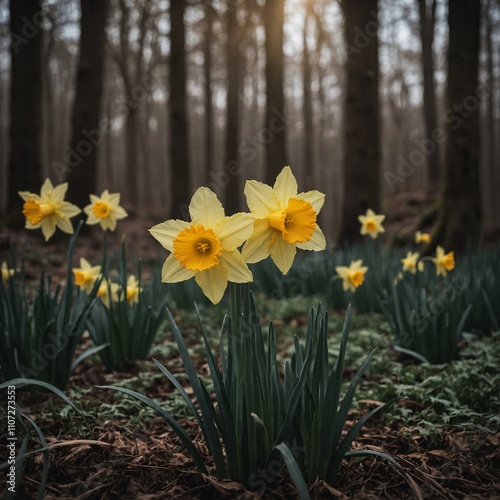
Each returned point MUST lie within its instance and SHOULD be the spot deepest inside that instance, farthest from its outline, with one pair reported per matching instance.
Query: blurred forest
(363, 99)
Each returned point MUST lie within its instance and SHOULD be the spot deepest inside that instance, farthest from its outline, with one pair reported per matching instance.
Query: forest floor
(444, 432)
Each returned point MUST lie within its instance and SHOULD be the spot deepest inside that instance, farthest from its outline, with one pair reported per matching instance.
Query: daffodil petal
(166, 232)
(64, 224)
(285, 187)
(237, 270)
(315, 198)
(173, 272)
(342, 271)
(68, 210)
(282, 253)
(25, 195)
(234, 231)
(316, 243)
(213, 282)
(48, 227)
(119, 212)
(47, 188)
(257, 246)
(260, 199)
(205, 208)
(59, 192)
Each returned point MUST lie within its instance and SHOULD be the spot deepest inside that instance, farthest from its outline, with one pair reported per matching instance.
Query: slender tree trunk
(308, 161)
(430, 122)
(131, 151)
(209, 118)
(24, 168)
(179, 156)
(459, 217)
(276, 157)
(361, 116)
(87, 133)
(494, 180)
(232, 189)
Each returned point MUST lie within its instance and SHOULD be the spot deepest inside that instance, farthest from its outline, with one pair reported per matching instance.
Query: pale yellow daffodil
(422, 237)
(48, 210)
(105, 210)
(86, 275)
(207, 247)
(352, 276)
(410, 262)
(7, 273)
(371, 223)
(444, 262)
(133, 290)
(284, 221)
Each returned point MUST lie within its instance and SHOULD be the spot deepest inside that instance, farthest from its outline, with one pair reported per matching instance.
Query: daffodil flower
(132, 290)
(48, 210)
(207, 247)
(410, 262)
(86, 275)
(104, 291)
(284, 221)
(371, 223)
(444, 262)
(352, 276)
(105, 210)
(422, 237)
(7, 273)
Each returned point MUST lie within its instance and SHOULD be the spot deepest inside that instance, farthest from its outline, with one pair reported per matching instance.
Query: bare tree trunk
(494, 180)
(276, 156)
(24, 168)
(361, 115)
(87, 133)
(179, 155)
(209, 118)
(459, 217)
(232, 168)
(308, 160)
(430, 122)
(131, 127)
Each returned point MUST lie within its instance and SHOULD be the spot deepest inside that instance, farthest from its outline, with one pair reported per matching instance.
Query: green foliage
(38, 340)
(127, 328)
(424, 317)
(259, 409)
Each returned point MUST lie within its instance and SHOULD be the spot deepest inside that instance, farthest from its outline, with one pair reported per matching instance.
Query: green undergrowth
(459, 396)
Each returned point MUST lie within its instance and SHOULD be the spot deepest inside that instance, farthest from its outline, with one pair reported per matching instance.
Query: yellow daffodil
(422, 237)
(398, 278)
(104, 291)
(352, 276)
(105, 210)
(86, 275)
(7, 273)
(133, 290)
(444, 262)
(48, 210)
(371, 223)
(284, 221)
(207, 247)
(410, 262)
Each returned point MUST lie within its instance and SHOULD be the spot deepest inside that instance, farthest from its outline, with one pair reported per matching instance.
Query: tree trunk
(87, 132)
(131, 150)
(207, 67)
(276, 157)
(361, 116)
(24, 168)
(307, 166)
(459, 216)
(430, 122)
(179, 155)
(232, 166)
